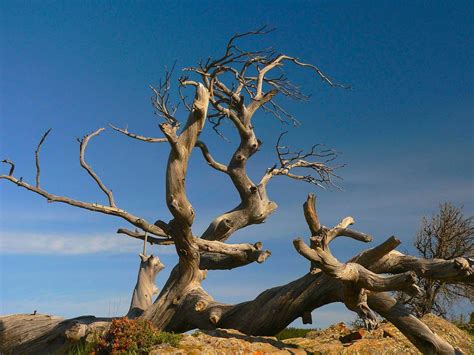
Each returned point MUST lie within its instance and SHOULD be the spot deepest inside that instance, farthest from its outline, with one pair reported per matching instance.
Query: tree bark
(188, 275)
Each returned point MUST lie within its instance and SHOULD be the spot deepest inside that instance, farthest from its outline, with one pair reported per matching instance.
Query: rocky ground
(337, 339)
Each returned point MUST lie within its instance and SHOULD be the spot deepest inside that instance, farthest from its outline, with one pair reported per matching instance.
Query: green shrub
(288, 333)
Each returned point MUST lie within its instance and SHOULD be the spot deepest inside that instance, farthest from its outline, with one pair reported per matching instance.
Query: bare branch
(12, 166)
(152, 240)
(454, 270)
(137, 136)
(321, 236)
(83, 145)
(114, 211)
(229, 55)
(255, 206)
(355, 277)
(254, 251)
(183, 98)
(277, 62)
(210, 160)
(227, 100)
(370, 256)
(216, 119)
(356, 273)
(341, 230)
(280, 113)
(161, 98)
(290, 160)
(228, 112)
(201, 145)
(37, 151)
(214, 255)
(310, 214)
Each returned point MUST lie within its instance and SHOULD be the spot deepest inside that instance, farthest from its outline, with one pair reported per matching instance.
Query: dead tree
(446, 235)
(233, 87)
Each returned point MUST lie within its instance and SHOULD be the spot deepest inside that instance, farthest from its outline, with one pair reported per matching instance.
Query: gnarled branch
(356, 273)
(214, 255)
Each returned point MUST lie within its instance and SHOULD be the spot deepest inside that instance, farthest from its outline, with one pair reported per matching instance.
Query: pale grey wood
(145, 289)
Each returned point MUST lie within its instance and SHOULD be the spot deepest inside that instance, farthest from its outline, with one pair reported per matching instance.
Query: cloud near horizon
(12, 242)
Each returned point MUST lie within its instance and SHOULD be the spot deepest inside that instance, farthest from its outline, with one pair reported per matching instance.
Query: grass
(82, 348)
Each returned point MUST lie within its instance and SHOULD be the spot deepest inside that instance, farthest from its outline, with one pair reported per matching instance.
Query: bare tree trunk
(188, 275)
(145, 288)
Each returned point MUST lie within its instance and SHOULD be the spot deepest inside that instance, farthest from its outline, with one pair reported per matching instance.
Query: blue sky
(405, 130)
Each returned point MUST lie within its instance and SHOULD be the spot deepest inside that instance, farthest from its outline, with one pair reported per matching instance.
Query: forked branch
(356, 273)
(357, 280)
(161, 99)
(315, 160)
(112, 209)
(199, 144)
(242, 73)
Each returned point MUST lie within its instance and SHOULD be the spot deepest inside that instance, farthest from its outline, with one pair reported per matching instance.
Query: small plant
(134, 336)
(126, 336)
(82, 348)
(357, 323)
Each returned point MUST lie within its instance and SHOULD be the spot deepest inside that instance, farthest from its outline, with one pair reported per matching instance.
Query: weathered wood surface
(42, 334)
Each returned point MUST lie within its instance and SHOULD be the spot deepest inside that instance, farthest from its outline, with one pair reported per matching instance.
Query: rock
(388, 334)
(76, 332)
(228, 341)
(359, 334)
(335, 331)
(385, 340)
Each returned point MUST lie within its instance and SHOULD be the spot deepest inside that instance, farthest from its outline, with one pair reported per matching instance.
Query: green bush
(288, 333)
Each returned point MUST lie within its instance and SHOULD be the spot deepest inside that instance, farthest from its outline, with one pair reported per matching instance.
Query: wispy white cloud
(37, 215)
(13, 242)
(68, 306)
